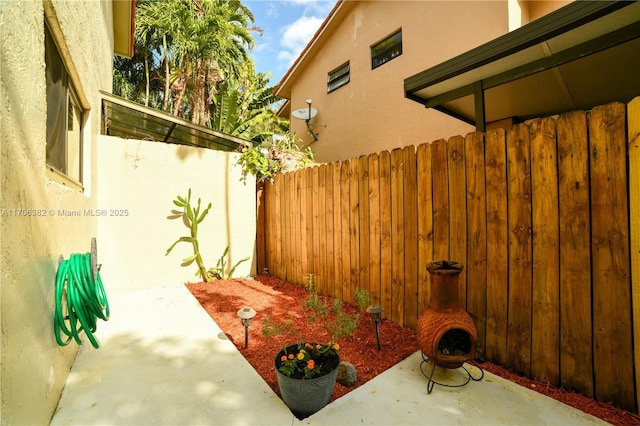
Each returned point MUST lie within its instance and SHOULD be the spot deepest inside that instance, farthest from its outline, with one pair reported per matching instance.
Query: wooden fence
(539, 215)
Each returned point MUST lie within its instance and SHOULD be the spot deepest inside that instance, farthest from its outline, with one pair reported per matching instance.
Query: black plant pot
(307, 396)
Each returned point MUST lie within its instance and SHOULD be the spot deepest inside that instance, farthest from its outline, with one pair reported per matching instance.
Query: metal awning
(582, 55)
(128, 120)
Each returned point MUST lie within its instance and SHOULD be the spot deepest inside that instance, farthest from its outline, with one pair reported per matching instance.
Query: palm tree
(245, 107)
(192, 60)
(208, 41)
(151, 40)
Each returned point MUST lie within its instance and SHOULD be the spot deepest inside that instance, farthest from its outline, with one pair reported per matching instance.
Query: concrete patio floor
(164, 361)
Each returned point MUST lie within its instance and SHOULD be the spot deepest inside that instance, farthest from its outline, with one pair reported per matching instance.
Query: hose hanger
(80, 297)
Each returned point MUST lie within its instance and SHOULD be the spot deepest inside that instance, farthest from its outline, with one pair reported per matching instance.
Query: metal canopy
(582, 55)
(129, 120)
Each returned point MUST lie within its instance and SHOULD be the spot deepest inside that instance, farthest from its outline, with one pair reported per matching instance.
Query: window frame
(338, 77)
(386, 54)
(65, 161)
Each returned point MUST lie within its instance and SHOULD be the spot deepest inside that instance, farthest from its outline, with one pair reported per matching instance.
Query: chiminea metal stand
(431, 382)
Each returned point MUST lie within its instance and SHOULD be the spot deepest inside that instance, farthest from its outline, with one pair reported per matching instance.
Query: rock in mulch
(347, 375)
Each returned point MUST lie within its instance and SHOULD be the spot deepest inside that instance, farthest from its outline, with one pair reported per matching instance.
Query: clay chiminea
(446, 333)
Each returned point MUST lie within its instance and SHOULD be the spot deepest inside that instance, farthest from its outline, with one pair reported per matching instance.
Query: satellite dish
(305, 113)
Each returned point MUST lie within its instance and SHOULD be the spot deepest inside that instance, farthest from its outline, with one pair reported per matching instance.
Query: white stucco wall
(138, 181)
(34, 368)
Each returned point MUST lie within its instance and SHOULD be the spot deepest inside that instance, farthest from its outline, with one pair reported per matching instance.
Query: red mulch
(281, 301)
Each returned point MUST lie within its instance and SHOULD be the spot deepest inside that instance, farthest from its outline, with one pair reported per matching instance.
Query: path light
(376, 316)
(245, 314)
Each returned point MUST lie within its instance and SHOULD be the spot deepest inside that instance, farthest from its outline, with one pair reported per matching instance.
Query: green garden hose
(84, 298)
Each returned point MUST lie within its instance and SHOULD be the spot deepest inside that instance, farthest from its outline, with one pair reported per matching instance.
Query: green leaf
(171, 248)
(236, 265)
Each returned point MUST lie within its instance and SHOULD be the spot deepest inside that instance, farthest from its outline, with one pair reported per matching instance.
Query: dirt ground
(280, 303)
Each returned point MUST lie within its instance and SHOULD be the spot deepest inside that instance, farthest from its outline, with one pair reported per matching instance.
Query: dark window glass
(386, 50)
(338, 77)
(64, 115)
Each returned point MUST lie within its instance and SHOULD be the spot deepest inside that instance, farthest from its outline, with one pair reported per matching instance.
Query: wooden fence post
(633, 126)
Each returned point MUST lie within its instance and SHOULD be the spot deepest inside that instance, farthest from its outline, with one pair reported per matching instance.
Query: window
(65, 117)
(386, 50)
(338, 77)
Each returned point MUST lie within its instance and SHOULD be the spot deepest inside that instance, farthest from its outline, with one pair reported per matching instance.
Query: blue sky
(288, 25)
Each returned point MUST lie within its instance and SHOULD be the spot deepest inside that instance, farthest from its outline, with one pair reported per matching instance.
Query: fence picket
(397, 236)
(305, 246)
(289, 198)
(633, 138)
(497, 246)
(363, 218)
(354, 230)
(336, 176)
(610, 247)
(545, 328)
(385, 233)
(458, 210)
(576, 360)
(440, 179)
(410, 237)
(345, 277)
(520, 256)
(476, 236)
(318, 229)
(374, 229)
(425, 224)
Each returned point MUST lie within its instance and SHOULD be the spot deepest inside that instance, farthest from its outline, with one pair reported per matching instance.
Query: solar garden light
(245, 314)
(376, 316)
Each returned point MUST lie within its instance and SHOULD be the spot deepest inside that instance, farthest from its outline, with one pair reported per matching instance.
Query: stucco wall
(370, 113)
(535, 9)
(138, 181)
(34, 368)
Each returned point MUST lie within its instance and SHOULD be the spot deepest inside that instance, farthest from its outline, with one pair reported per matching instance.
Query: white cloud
(296, 36)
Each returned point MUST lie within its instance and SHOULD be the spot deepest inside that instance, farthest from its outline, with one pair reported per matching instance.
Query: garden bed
(280, 303)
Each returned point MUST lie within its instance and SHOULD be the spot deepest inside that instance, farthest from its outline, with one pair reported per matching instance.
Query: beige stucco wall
(534, 9)
(370, 113)
(34, 368)
(138, 182)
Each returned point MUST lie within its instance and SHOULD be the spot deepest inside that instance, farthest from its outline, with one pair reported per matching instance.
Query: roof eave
(283, 88)
(124, 26)
(557, 22)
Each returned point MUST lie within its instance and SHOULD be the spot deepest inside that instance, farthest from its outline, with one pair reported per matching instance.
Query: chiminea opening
(455, 342)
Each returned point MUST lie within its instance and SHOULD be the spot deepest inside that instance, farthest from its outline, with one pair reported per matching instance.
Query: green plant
(312, 359)
(192, 218)
(308, 361)
(218, 272)
(318, 312)
(270, 329)
(277, 155)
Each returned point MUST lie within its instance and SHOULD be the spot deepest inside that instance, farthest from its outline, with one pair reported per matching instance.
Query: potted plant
(307, 371)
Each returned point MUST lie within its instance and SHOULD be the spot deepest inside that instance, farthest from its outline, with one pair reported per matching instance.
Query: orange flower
(290, 356)
(308, 346)
(311, 364)
(284, 358)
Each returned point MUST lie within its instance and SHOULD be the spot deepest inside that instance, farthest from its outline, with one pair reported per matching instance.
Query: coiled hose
(85, 299)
